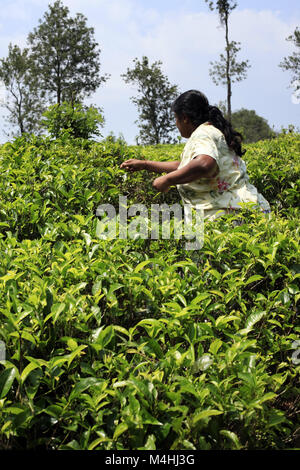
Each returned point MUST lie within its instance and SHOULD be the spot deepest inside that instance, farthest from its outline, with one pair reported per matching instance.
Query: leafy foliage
(156, 95)
(24, 102)
(228, 70)
(139, 344)
(78, 120)
(252, 127)
(274, 166)
(229, 65)
(292, 62)
(223, 7)
(65, 55)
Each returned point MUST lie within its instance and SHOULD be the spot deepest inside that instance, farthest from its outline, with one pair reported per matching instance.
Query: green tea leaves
(204, 414)
(102, 336)
(138, 343)
(7, 378)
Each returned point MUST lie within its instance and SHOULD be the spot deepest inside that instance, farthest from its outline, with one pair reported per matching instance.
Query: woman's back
(229, 187)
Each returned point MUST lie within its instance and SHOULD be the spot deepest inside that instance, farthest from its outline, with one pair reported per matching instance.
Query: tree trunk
(22, 130)
(20, 119)
(229, 93)
(58, 90)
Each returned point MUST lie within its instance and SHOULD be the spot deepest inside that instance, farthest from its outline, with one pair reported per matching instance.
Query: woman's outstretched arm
(149, 165)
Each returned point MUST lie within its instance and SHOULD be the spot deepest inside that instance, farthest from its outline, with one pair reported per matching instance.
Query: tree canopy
(252, 126)
(154, 100)
(24, 101)
(292, 62)
(65, 55)
(61, 64)
(227, 70)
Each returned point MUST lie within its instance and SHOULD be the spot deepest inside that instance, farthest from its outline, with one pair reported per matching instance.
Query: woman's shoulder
(209, 133)
(209, 130)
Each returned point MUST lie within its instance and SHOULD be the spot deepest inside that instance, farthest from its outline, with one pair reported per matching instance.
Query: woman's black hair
(195, 105)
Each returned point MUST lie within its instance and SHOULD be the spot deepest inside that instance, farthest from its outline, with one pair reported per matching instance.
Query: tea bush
(274, 167)
(139, 343)
(74, 120)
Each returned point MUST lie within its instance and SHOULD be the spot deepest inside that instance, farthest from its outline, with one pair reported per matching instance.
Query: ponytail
(233, 138)
(195, 105)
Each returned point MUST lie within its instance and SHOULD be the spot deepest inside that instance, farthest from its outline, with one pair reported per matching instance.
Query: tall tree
(23, 100)
(65, 55)
(155, 96)
(292, 62)
(228, 70)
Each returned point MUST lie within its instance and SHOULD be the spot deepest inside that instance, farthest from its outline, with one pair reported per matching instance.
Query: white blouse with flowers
(229, 188)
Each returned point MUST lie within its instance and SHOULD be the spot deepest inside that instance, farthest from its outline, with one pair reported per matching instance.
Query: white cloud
(262, 32)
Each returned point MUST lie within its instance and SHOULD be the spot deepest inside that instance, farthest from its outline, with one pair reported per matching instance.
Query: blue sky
(185, 35)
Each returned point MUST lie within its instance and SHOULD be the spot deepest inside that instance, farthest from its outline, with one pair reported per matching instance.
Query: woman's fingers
(126, 163)
(132, 164)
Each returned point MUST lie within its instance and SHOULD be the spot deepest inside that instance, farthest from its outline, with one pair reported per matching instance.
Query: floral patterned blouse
(229, 188)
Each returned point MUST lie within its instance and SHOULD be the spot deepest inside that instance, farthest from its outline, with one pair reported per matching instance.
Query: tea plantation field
(136, 343)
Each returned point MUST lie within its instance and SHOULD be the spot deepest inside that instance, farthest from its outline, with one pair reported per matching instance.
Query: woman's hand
(133, 165)
(162, 184)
